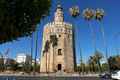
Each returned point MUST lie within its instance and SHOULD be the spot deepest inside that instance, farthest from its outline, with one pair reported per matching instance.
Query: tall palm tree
(75, 12)
(88, 15)
(54, 42)
(99, 14)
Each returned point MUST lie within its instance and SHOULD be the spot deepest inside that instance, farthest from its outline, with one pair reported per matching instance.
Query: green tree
(11, 65)
(1, 64)
(98, 56)
(18, 18)
(114, 62)
(83, 67)
(46, 47)
(104, 67)
(27, 67)
(92, 63)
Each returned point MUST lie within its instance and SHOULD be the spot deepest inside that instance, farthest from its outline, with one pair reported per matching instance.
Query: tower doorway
(59, 67)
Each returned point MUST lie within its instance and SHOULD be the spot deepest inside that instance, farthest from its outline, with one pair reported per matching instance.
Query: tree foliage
(114, 62)
(18, 18)
(46, 47)
(54, 40)
(95, 60)
(98, 56)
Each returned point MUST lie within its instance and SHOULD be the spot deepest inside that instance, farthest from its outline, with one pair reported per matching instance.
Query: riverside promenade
(50, 76)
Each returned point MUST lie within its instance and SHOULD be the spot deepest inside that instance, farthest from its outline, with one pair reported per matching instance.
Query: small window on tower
(59, 51)
(59, 35)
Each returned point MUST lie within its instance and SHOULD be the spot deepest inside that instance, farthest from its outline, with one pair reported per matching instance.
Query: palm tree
(54, 42)
(99, 14)
(88, 15)
(98, 56)
(74, 12)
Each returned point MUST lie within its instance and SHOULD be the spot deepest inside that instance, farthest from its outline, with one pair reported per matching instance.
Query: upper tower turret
(59, 16)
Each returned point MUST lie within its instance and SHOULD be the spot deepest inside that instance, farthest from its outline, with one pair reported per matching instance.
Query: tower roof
(59, 6)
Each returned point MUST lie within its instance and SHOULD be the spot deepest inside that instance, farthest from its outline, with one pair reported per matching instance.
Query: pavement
(58, 74)
(50, 76)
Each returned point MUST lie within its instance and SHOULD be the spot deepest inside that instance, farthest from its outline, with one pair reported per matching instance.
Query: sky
(83, 38)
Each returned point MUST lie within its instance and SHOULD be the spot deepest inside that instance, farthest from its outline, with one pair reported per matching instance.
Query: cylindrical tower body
(61, 56)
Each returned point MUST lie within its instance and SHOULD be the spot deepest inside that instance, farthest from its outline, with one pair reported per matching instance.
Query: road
(48, 78)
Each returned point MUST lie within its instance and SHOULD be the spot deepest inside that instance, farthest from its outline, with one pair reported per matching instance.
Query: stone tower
(58, 52)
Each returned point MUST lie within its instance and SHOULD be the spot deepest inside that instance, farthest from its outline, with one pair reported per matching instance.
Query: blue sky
(83, 35)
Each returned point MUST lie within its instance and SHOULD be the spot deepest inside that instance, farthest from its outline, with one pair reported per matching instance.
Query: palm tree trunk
(31, 49)
(117, 36)
(99, 66)
(93, 40)
(93, 36)
(36, 48)
(81, 61)
(92, 67)
(104, 44)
